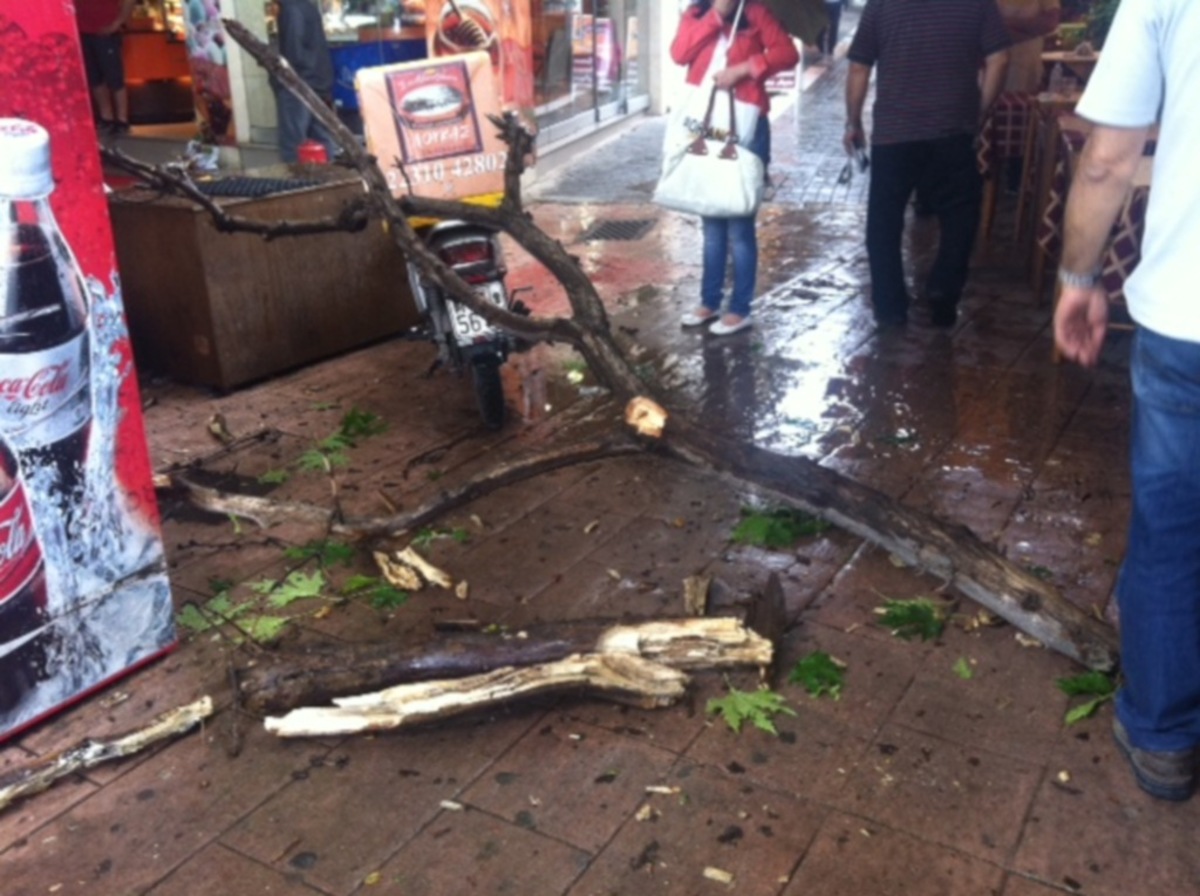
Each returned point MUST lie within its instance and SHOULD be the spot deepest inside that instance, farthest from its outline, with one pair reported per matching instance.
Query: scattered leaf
(909, 619)
(325, 552)
(776, 528)
(757, 707)
(373, 878)
(962, 668)
(819, 674)
(462, 590)
(192, 619)
(1025, 641)
(298, 585)
(591, 527)
(274, 477)
(357, 424)
(263, 629)
(1099, 687)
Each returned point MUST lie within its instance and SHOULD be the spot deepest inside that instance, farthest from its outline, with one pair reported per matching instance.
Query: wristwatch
(1078, 281)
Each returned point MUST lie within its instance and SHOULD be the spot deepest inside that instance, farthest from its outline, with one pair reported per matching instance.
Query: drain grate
(617, 230)
(253, 187)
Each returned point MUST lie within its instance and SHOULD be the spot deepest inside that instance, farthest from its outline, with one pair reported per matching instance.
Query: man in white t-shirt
(1149, 71)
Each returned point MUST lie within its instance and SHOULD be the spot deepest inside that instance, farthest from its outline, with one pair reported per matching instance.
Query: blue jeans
(1159, 587)
(737, 237)
(297, 124)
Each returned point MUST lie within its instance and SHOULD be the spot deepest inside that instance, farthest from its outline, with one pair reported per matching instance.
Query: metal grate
(617, 230)
(253, 187)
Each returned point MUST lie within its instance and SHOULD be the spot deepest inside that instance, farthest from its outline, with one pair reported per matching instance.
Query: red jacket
(761, 40)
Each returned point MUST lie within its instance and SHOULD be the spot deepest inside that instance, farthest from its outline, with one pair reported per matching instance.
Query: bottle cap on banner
(24, 160)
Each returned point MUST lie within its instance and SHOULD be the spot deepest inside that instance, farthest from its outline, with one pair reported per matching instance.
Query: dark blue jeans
(1159, 587)
(737, 237)
(946, 174)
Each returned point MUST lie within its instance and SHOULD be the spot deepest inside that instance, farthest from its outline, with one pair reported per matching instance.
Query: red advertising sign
(434, 112)
(84, 595)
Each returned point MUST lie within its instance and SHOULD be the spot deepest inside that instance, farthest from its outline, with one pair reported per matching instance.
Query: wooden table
(1075, 65)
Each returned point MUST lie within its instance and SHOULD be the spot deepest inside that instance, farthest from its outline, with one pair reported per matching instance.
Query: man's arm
(1106, 168)
(995, 67)
(857, 80)
(1026, 24)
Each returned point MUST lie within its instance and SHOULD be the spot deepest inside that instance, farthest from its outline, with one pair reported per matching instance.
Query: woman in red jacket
(758, 50)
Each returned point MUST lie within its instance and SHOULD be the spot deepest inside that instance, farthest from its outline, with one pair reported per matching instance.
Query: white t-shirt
(1150, 70)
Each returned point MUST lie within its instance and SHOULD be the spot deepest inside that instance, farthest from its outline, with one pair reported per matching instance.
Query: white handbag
(713, 178)
(705, 170)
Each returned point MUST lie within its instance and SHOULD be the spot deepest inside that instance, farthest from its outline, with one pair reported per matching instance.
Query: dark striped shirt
(927, 55)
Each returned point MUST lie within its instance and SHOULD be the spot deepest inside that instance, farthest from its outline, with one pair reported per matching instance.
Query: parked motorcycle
(466, 342)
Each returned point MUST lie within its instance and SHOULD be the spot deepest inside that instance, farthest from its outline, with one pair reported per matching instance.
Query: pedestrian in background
(301, 34)
(758, 50)
(829, 36)
(100, 23)
(1149, 63)
(930, 99)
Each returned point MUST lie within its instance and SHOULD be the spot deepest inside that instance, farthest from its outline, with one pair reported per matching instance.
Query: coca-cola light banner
(84, 595)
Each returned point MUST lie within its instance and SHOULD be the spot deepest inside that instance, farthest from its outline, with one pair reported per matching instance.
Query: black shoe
(1165, 776)
(119, 127)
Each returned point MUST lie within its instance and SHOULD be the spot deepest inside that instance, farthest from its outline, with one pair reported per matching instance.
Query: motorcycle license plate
(469, 326)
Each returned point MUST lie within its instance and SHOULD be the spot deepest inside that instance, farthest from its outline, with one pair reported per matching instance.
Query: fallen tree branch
(351, 219)
(282, 682)
(38, 776)
(622, 678)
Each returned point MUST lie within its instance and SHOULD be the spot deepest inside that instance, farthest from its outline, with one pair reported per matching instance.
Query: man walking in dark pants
(302, 43)
(930, 100)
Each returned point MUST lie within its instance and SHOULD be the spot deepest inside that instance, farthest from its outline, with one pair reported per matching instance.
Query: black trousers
(946, 175)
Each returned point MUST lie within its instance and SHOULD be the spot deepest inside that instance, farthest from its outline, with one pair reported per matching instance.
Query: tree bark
(38, 776)
(620, 677)
(293, 680)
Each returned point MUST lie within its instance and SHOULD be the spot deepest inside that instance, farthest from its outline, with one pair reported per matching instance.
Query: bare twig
(351, 219)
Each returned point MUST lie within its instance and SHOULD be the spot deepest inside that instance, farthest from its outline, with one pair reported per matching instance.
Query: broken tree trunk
(920, 539)
(292, 680)
(38, 776)
(620, 677)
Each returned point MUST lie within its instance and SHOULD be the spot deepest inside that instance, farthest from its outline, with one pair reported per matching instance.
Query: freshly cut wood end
(646, 416)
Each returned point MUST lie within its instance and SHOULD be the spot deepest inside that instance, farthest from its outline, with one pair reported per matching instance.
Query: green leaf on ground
(379, 594)
(776, 528)
(264, 629)
(357, 424)
(1099, 687)
(326, 553)
(192, 619)
(274, 477)
(298, 585)
(427, 535)
(909, 619)
(962, 668)
(356, 584)
(819, 674)
(757, 707)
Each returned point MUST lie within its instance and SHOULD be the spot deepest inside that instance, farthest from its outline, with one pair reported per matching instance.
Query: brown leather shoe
(1166, 775)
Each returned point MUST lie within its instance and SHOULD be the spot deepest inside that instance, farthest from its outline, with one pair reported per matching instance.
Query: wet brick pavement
(916, 782)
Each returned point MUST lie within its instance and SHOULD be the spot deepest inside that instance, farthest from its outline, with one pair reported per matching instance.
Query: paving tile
(853, 856)
(124, 839)
(574, 782)
(383, 789)
(877, 674)
(1091, 829)
(475, 852)
(963, 798)
(217, 870)
(813, 755)
(713, 821)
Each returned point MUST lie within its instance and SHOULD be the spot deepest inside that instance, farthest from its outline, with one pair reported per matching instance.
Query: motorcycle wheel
(489, 391)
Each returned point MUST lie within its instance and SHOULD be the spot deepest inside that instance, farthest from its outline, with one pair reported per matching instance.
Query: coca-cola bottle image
(45, 406)
(23, 617)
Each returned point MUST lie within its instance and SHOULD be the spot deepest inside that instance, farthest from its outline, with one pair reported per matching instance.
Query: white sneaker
(720, 328)
(698, 318)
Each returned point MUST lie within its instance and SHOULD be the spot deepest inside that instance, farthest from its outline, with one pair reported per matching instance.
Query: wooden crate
(217, 309)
